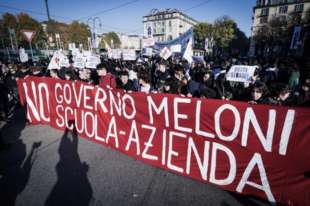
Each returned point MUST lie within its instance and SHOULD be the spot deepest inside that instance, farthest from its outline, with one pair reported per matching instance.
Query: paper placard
(165, 53)
(240, 73)
(129, 54)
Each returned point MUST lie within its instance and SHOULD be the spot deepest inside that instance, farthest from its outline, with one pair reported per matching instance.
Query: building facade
(130, 41)
(167, 24)
(266, 10)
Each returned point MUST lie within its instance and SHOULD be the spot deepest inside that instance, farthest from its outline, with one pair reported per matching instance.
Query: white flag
(188, 54)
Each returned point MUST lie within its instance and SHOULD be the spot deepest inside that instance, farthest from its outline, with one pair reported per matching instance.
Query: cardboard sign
(23, 56)
(58, 60)
(79, 61)
(64, 61)
(165, 53)
(116, 53)
(28, 34)
(148, 42)
(175, 48)
(149, 52)
(240, 73)
(129, 54)
(92, 61)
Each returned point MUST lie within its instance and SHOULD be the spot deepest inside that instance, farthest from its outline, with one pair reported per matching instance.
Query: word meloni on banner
(93, 108)
(95, 98)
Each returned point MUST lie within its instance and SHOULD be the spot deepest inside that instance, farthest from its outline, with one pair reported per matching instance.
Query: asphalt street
(45, 166)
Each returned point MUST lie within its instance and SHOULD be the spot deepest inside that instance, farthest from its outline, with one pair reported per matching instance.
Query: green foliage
(78, 33)
(224, 29)
(19, 22)
(201, 32)
(112, 36)
(27, 22)
(225, 33)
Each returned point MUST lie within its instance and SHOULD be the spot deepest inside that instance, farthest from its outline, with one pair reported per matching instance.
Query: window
(263, 20)
(299, 8)
(163, 30)
(283, 9)
(264, 12)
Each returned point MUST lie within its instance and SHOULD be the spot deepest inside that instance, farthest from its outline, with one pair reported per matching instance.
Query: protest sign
(64, 61)
(256, 150)
(165, 53)
(129, 54)
(175, 48)
(148, 42)
(23, 56)
(240, 73)
(92, 61)
(79, 61)
(149, 52)
(55, 61)
(116, 53)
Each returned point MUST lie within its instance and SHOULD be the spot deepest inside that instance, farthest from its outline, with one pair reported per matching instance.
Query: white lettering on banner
(67, 109)
(78, 99)
(198, 122)
(256, 160)
(100, 101)
(286, 131)
(117, 105)
(203, 165)
(59, 120)
(42, 114)
(149, 143)
(189, 150)
(112, 132)
(132, 106)
(217, 116)
(172, 152)
(133, 137)
(232, 165)
(158, 110)
(178, 115)
(250, 117)
(87, 96)
(92, 124)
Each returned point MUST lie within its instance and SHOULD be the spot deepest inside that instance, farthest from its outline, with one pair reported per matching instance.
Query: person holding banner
(125, 83)
(54, 73)
(105, 79)
(259, 94)
(145, 83)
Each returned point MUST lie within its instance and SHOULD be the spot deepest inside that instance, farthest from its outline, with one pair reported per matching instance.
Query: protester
(105, 79)
(275, 81)
(125, 83)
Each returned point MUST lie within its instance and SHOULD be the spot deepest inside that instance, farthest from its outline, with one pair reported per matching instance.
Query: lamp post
(93, 20)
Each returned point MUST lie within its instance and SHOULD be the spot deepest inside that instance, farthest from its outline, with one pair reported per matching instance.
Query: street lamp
(93, 29)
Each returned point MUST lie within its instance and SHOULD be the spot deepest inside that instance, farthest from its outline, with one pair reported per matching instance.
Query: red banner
(258, 150)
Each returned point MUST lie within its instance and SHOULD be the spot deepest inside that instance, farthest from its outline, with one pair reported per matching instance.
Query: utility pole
(47, 10)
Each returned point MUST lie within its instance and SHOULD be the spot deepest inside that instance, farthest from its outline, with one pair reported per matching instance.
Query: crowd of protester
(277, 82)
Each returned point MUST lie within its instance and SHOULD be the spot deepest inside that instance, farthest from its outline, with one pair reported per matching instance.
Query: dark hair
(101, 66)
(284, 88)
(261, 87)
(145, 77)
(124, 73)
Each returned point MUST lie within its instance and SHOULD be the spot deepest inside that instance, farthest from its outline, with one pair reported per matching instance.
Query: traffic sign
(29, 34)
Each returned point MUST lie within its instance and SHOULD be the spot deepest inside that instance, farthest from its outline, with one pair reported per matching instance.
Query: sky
(126, 15)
